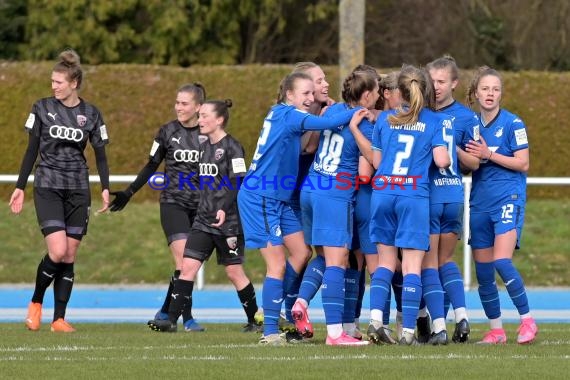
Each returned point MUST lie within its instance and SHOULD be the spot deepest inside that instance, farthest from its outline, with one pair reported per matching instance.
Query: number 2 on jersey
(262, 138)
(397, 168)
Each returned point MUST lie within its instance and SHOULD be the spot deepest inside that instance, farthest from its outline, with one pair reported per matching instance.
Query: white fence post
(465, 237)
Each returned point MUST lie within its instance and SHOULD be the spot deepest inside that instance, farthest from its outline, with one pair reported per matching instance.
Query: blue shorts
(485, 226)
(399, 221)
(265, 220)
(446, 218)
(362, 220)
(327, 221)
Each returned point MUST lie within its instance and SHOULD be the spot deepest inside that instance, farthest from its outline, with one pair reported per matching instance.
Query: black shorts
(63, 210)
(200, 246)
(176, 221)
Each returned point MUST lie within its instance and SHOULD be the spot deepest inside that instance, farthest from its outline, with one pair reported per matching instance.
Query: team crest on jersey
(81, 120)
(499, 132)
(218, 154)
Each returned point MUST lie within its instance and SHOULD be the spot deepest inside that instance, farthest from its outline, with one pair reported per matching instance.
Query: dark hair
(445, 62)
(414, 88)
(196, 89)
(386, 82)
(356, 83)
(288, 84)
(69, 64)
(221, 109)
(481, 72)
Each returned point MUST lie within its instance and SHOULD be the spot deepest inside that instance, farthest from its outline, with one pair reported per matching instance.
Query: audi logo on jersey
(208, 169)
(186, 155)
(65, 133)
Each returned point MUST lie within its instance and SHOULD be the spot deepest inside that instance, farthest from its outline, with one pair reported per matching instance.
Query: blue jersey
(273, 170)
(445, 184)
(407, 153)
(493, 184)
(335, 167)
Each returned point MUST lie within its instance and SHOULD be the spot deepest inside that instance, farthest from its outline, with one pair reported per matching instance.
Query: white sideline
(219, 315)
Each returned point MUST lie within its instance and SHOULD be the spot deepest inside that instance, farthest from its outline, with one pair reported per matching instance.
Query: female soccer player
(59, 129)
(389, 99)
(497, 204)
(405, 143)
(309, 143)
(217, 222)
(446, 207)
(268, 221)
(328, 209)
(177, 143)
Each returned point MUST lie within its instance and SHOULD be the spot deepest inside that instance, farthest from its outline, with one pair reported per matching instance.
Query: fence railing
(10, 178)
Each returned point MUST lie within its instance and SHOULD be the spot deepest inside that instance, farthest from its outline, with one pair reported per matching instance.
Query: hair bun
(228, 103)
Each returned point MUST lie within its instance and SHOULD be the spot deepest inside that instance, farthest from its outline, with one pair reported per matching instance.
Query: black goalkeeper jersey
(63, 132)
(220, 166)
(179, 147)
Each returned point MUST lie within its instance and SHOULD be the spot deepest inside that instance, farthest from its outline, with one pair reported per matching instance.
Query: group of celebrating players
(404, 132)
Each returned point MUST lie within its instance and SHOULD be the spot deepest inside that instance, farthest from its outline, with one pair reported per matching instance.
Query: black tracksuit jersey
(179, 148)
(63, 132)
(220, 166)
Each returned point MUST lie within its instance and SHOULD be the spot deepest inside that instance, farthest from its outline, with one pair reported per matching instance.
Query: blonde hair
(416, 91)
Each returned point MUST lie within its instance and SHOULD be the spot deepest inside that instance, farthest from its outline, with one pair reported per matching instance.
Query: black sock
(187, 311)
(62, 286)
(181, 294)
(46, 272)
(166, 303)
(248, 301)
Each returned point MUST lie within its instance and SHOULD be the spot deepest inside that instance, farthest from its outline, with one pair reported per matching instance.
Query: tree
(12, 23)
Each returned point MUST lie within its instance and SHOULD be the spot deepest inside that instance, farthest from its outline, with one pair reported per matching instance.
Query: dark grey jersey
(63, 132)
(179, 147)
(220, 166)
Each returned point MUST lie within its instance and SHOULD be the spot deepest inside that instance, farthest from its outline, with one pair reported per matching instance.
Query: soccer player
(446, 207)
(327, 201)
(389, 99)
(309, 142)
(217, 222)
(269, 222)
(405, 142)
(497, 204)
(59, 128)
(176, 143)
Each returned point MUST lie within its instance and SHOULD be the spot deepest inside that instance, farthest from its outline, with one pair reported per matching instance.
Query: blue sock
(411, 298)
(488, 292)
(452, 283)
(397, 282)
(386, 310)
(291, 283)
(333, 294)
(380, 288)
(351, 284)
(272, 296)
(432, 293)
(514, 284)
(361, 291)
(422, 303)
(312, 279)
